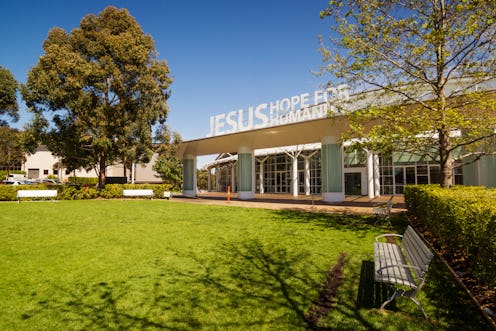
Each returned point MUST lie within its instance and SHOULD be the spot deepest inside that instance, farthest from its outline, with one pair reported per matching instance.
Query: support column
(294, 171)
(261, 174)
(307, 175)
(246, 177)
(233, 177)
(370, 175)
(217, 179)
(332, 170)
(189, 175)
(133, 172)
(294, 177)
(307, 171)
(377, 175)
(209, 179)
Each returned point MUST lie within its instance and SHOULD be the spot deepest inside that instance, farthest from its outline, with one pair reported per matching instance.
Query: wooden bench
(138, 193)
(403, 267)
(167, 195)
(35, 194)
(382, 211)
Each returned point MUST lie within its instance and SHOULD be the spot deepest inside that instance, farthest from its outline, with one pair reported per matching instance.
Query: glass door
(281, 182)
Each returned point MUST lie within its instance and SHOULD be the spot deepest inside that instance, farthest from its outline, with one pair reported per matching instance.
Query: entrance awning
(276, 136)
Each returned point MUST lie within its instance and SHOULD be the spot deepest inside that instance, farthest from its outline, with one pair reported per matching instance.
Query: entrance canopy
(276, 136)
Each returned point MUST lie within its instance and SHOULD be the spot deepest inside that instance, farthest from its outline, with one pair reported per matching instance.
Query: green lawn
(140, 264)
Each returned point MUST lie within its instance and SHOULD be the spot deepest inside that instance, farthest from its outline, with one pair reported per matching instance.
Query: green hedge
(66, 192)
(84, 180)
(463, 219)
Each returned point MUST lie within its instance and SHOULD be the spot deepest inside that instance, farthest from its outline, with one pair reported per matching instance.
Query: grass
(140, 264)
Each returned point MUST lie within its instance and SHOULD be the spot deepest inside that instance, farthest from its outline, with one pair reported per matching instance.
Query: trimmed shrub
(70, 192)
(86, 181)
(8, 193)
(111, 191)
(87, 192)
(463, 219)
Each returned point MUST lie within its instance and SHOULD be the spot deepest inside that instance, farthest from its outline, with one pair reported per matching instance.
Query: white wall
(44, 163)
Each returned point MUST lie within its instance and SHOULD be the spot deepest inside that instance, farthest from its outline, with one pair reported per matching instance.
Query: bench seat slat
(404, 265)
(387, 258)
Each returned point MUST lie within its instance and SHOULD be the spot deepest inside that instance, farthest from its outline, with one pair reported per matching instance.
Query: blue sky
(224, 55)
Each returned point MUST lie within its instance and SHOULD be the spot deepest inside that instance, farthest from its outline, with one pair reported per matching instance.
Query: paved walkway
(352, 204)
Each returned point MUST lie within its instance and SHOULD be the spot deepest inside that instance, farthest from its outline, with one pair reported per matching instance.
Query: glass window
(422, 170)
(435, 174)
(422, 179)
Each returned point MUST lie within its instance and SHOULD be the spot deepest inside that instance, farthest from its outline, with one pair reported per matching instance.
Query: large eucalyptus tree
(8, 96)
(100, 88)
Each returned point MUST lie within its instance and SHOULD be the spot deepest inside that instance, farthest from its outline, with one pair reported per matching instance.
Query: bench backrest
(417, 253)
(136, 193)
(36, 193)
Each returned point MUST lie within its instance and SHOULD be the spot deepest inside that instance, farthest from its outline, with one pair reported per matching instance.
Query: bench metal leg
(411, 294)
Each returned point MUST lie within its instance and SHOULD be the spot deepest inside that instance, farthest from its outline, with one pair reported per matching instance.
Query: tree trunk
(102, 173)
(445, 158)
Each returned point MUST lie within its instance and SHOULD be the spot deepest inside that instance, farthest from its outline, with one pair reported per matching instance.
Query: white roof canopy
(276, 136)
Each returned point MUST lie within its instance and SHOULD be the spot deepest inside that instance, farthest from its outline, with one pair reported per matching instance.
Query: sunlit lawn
(140, 264)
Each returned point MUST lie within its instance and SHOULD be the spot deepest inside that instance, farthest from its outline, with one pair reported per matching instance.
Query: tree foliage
(11, 148)
(102, 88)
(167, 165)
(8, 96)
(202, 178)
(434, 60)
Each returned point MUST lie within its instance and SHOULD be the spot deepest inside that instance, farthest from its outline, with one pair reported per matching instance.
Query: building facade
(292, 146)
(43, 164)
(296, 170)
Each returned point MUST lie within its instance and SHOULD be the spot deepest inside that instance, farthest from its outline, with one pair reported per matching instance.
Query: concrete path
(352, 204)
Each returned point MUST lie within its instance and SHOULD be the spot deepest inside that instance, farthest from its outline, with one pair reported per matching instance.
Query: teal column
(487, 170)
(246, 174)
(189, 175)
(332, 170)
(471, 173)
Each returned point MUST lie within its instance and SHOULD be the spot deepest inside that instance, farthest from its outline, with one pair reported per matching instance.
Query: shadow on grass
(450, 300)
(284, 283)
(372, 294)
(446, 303)
(240, 285)
(360, 224)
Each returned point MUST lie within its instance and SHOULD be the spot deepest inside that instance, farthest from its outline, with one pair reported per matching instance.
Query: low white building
(43, 164)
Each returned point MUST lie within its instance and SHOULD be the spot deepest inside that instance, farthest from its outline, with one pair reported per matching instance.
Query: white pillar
(133, 172)
(294, 171)
(261, 169)
(370, 175)
(294, 176)
(377, 174)
(307, 176)
(261, 178)
(307, 171)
